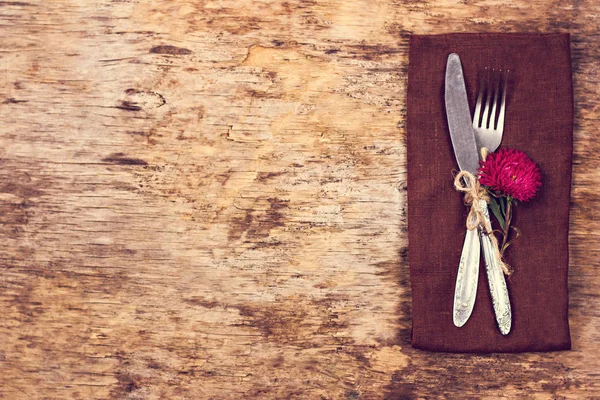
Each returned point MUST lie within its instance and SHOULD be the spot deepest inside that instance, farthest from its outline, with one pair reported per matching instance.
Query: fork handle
(496, 281)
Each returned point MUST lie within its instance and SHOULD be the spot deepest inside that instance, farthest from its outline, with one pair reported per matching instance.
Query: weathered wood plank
(206, 199)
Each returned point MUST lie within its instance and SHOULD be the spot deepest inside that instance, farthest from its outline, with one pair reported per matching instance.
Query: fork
(489, 127)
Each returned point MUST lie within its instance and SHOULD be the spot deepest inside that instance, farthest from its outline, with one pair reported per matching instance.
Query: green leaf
(496, 211)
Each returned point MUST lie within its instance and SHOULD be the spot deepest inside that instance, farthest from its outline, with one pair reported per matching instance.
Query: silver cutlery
(489, 126)
(468, 137)
(467, 156)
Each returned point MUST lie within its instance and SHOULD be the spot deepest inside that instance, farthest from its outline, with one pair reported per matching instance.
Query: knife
(467, 156)
(465, 151)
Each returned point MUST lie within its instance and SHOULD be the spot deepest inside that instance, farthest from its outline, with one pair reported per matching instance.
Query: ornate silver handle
(467, 279)
(498, 289)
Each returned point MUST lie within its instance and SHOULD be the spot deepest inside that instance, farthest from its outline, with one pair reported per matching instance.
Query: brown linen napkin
(539, 121)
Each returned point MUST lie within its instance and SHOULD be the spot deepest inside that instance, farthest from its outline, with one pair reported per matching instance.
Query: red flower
(511, 173)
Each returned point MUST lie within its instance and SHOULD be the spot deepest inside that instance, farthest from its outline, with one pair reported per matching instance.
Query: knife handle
(467, 279)
(497, 283)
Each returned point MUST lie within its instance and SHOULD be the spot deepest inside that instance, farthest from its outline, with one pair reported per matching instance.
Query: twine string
(467, 183)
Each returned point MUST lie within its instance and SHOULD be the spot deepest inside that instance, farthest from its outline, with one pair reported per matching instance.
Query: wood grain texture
(206, 200)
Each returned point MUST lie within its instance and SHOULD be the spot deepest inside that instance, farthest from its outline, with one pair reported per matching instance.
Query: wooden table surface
(207, 200)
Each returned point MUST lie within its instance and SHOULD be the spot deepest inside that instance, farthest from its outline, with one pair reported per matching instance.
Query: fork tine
(486, 110)
(492, 92)
(477, 113)
(500, 127)
(495, 79)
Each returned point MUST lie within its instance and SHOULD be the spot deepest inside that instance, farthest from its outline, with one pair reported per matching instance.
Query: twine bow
(467, 183)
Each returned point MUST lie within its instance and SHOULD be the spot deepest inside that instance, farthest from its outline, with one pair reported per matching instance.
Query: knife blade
(459, 117)
(465, 151)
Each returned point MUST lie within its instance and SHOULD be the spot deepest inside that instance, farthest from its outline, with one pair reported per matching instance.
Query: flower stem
(506, 228)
